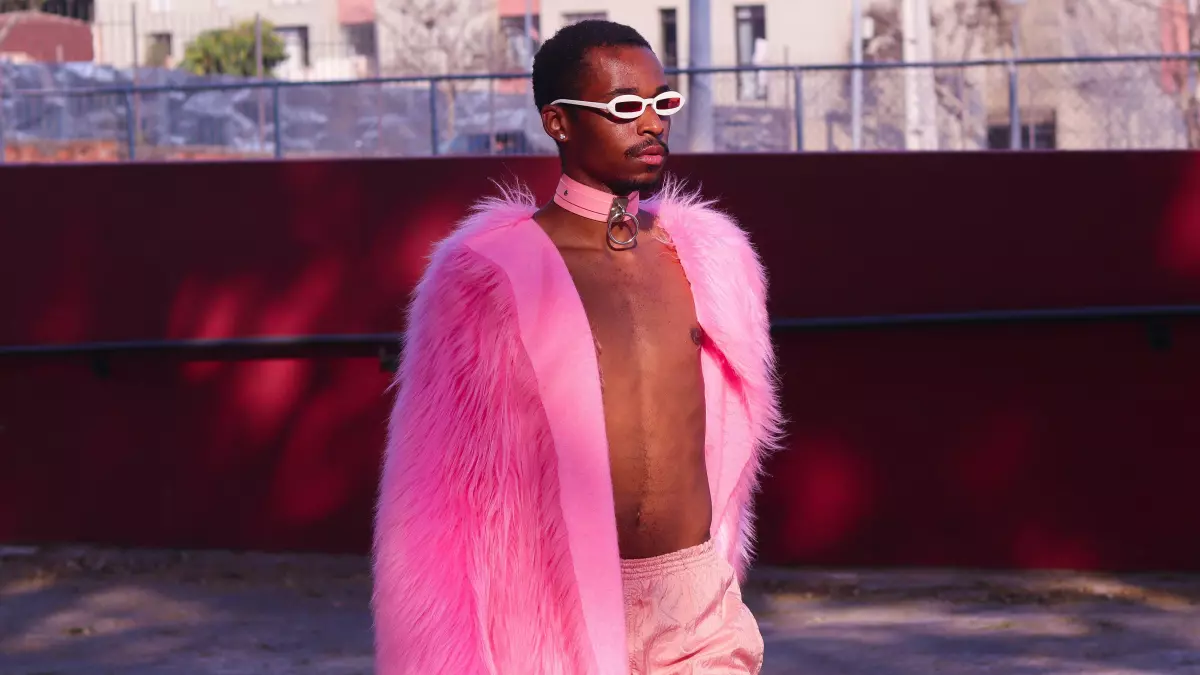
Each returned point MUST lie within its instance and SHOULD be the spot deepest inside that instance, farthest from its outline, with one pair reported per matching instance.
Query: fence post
(275, 120)
(137, 103)
(1014, 108)
(258, 76)
(433, 119)
(3, 143)
(701, 124)
(856, 76)
(491, 115)
(130, 125)
(133, 28)
(798, 85)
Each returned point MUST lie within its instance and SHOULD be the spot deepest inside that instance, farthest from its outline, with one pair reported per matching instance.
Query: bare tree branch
(439, 37)
(1140, 26)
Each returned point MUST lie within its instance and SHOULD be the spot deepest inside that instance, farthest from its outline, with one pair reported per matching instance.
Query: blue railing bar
(798, 109)
(973, 63)
(1019, 316)
(252, 84)
(1015, 137)
(433, 118)
(786, 325)
(276, 123)
(131, 126)
(419, 79)
(3, 143)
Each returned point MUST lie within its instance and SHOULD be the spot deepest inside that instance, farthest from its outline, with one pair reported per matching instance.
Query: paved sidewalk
(918, 622)
(76, 611)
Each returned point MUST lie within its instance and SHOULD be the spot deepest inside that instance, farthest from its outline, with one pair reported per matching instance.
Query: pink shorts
(684, 615)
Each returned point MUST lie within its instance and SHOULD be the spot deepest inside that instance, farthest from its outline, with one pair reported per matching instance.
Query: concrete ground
(69, 611)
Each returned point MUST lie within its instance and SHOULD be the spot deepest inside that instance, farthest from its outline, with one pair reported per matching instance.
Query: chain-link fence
(92, 113)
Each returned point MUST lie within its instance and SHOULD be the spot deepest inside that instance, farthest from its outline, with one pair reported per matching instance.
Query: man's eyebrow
(632, 90)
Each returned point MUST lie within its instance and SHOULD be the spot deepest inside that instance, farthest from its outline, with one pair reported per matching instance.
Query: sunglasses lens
(626, 107)
(668, 104)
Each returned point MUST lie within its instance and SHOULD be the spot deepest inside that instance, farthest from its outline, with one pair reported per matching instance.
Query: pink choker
(600, 206)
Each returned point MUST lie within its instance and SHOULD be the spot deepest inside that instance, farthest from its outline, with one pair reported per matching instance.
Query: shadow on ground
(933, 621)
(75, 611)
(71, 611)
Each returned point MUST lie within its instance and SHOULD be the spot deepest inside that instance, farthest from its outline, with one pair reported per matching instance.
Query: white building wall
(330, 54)
(798, 31)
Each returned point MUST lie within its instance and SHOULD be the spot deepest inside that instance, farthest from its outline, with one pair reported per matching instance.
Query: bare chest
(642, 314)
(641, 309)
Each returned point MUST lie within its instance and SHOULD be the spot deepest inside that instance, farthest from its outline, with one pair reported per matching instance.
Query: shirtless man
(585, 395)
(639, 305)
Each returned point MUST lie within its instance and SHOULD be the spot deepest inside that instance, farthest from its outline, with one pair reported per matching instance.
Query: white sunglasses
(631, 107)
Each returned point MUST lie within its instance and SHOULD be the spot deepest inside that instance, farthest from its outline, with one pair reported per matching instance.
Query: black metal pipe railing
(385, 346)
(283, 343)
(1018, 316)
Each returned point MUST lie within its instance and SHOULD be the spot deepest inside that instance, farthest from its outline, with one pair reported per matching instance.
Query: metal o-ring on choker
(600, 206)
(618, 215)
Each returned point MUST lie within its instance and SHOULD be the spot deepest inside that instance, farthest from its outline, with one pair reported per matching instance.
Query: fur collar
(729, 297)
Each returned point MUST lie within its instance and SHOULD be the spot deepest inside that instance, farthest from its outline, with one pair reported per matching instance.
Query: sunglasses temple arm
(586, 104)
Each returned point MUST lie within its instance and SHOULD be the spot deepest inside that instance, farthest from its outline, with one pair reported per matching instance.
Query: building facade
(324, 39)
(775, 32)
(947, 107)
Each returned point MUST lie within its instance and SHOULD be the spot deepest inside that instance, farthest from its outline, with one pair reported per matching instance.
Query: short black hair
(557, 66)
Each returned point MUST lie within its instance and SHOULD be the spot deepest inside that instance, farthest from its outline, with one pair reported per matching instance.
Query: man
(584, 397)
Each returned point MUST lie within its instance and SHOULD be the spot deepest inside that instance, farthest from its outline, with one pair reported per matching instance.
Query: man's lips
(653, 155)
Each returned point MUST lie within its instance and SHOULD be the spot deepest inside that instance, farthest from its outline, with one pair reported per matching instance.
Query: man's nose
(650, 122)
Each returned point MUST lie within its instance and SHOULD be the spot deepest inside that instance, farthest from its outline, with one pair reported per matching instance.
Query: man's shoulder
(701, 221)
(687, 213)
(480, 236)
(466, 278)
(716, 244)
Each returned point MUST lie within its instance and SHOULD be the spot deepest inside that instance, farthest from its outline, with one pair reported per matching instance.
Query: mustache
(646, 145)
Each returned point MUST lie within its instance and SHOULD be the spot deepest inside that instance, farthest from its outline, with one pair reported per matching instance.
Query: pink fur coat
(495, 542)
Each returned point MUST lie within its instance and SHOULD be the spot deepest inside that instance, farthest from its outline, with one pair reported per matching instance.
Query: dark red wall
(1025, 445)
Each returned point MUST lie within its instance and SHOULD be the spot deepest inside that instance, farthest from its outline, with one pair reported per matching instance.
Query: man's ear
(554, 121)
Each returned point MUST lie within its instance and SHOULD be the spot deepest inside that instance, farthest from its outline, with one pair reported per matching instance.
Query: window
(1039, 131)
(158, 50)
(295, 45)
(361, 39)
(517, 46)
(361, 44)
(751, 34)
(575, 17)
(160, 6)
(669, 52)
(84, 10)
(511, 143)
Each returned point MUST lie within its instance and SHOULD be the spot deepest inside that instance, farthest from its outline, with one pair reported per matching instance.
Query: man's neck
(581, 177)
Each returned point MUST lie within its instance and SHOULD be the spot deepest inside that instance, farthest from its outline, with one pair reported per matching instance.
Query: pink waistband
(688, 558)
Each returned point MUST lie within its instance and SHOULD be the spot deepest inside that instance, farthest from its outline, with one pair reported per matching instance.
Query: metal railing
(386, 346)
(1109, 102)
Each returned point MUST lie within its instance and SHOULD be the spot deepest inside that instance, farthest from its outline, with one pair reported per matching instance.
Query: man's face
(625, 155)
